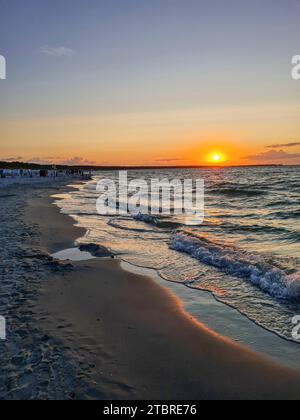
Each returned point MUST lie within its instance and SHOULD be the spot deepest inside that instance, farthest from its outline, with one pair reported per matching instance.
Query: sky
(160, 82)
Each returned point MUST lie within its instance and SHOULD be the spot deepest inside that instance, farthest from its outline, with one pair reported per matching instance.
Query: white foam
(241, 264)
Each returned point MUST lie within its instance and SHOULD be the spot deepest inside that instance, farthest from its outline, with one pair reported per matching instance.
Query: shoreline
(221, 317)
(227, 321)
(181, 347)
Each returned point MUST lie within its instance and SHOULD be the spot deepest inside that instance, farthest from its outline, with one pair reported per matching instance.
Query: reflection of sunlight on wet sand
(73, 254)
(61, 196)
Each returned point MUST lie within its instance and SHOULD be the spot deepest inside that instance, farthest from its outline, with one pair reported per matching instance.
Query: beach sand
(90, 330)
(129, 338)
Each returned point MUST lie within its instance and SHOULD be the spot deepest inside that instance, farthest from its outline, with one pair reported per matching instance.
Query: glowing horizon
(172, 85)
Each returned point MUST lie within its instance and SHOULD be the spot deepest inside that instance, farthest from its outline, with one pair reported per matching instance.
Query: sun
(216, 157)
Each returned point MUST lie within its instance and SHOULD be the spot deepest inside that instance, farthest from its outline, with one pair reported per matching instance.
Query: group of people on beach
(33, 173)
(29, 173)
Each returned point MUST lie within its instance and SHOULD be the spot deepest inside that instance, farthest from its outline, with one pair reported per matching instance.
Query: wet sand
(129, 338)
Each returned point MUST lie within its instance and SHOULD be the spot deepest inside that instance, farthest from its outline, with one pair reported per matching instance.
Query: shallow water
(72, 254)
(246, 252)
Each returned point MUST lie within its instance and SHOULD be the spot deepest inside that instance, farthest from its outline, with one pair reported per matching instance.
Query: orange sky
(180, 137)
(150, 83)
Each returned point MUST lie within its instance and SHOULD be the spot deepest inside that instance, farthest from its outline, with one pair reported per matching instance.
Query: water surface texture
(246, 252)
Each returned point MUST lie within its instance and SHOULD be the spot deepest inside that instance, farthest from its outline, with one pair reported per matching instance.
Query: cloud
(273, 155)
(168, 160)
(77, 161)
(40, 161)
(57, 51)
(11, 159)
(275, 146)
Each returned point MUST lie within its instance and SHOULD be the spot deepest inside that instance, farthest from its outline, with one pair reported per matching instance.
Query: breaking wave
(236, 262)
(256, 209)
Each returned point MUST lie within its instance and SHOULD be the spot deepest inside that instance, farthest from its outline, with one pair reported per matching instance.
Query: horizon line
(124, 167)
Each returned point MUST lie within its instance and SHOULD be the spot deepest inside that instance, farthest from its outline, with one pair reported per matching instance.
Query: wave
(279, 203)
(293, 214)
(129, 225)
(260, 229)
(256, 269)
(156, 221)
(233, 192)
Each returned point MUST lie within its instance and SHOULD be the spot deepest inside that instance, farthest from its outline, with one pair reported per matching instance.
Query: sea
(245, 252)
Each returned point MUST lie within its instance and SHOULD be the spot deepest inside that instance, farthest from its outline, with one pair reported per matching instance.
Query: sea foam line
(241, 264)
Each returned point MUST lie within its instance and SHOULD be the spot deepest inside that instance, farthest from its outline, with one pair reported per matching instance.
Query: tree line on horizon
(36, 166)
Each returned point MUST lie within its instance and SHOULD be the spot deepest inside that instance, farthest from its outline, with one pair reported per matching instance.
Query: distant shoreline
(26, 165)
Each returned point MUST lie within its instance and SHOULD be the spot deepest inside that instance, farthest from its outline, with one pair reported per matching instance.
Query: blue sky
(81, 58)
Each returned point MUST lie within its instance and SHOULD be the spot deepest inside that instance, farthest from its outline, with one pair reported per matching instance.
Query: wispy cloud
(273, 155)
(40, 161)
(170, 160)
(75, 161)
(275, 146)
(57, 51)
(11, 159)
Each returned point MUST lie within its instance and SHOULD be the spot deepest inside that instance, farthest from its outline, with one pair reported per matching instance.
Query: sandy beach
(91, 330)
(150, 202)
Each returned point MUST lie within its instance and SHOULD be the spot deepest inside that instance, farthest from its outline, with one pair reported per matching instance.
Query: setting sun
(216, 157)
